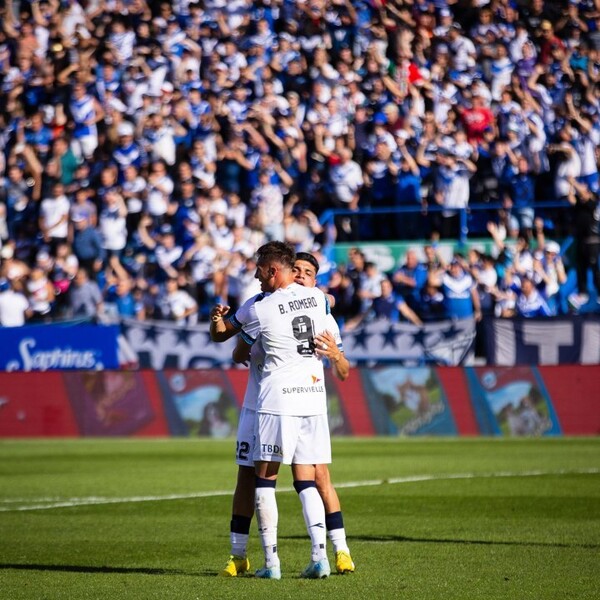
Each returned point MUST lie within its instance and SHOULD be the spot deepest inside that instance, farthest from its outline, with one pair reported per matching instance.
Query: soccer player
(306, 268)
(291, 419)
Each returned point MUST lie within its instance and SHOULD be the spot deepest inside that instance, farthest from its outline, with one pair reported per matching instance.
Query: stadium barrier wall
(161, 345)
(387, 400)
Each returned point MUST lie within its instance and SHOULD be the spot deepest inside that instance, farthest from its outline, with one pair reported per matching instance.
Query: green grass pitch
(426, 519)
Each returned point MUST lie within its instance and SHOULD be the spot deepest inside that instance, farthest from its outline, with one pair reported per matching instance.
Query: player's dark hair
(309, 258)
(274, 251)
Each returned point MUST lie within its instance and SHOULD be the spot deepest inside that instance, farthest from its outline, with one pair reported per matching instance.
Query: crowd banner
(556, 341)
(160, 345)
(449, 343)
(59, 347)
(163, 345)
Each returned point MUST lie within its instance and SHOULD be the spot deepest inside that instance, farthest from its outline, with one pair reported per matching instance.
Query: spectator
(569, 162)
(452, 190)
(64, 268)
(433, 259)
(388, 305)
(119, 299)
(84, 297)
(14, 307)
(347, 180)
(41, 295)
(133, 190)
(86, 112)
(87, 245)
(167, 252)
(18, 197)
(12, 269)
(54, 217)
(587, 235)
(159, 189)
(370, 286)
(409, 279)
(128, 152)
(476, 118)
(301, 229)
(380, 183)
(550, 274)
(461, 300)
(523, 195)
(83, 209)
(179, 306)
(530, 302)
(267, 201)
(39, 136)
(113, 224)
(431, 305)
(486, 277)
(408, 194)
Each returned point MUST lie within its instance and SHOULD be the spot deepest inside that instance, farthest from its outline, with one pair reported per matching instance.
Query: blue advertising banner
(59, 347)
(543, 341)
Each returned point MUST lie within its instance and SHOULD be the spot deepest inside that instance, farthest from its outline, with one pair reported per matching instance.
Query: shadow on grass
(104, 569)
(401, 538)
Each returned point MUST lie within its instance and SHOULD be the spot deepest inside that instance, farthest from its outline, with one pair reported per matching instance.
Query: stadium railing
(328, 217)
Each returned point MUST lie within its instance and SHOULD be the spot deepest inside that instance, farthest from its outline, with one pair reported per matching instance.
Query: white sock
(267, 516)
(314, 517)
(338, 539)
(239, 542)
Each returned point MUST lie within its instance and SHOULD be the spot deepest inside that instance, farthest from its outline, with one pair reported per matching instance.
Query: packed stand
(148, 148)
(522, 281)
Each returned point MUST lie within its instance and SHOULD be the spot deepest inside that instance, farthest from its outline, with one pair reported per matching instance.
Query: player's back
(293, 378)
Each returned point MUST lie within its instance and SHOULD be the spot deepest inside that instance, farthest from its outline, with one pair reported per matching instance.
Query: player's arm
(241, 352)
(221, 329)
(249, 331)
(340, 366)
(223, 326)
(326, 346)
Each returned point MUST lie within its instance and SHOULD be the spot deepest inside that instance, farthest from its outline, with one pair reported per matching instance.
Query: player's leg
(313, 447)
(334, 520)
(267, 458)
(243, 497)
(241, 517)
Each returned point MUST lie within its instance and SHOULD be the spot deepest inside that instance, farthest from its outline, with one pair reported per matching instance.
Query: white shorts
(292, 440)
(244, 449)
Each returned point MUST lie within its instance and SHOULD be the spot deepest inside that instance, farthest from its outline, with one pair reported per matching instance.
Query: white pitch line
(49, 503)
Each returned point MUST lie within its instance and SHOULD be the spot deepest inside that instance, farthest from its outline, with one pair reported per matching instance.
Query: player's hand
(218, 312)
(325, 345)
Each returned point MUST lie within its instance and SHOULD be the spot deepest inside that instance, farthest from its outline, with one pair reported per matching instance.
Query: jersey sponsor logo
(306, 389)
(300, 304)
(315, 379)
(272, 449)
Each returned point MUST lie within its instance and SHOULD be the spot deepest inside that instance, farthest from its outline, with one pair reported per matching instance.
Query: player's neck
(284, 281)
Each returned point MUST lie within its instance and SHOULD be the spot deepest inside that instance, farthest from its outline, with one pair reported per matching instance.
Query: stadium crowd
(148, 148)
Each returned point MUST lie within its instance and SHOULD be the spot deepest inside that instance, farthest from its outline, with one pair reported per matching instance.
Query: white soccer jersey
(292, 380)
(257, 354)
